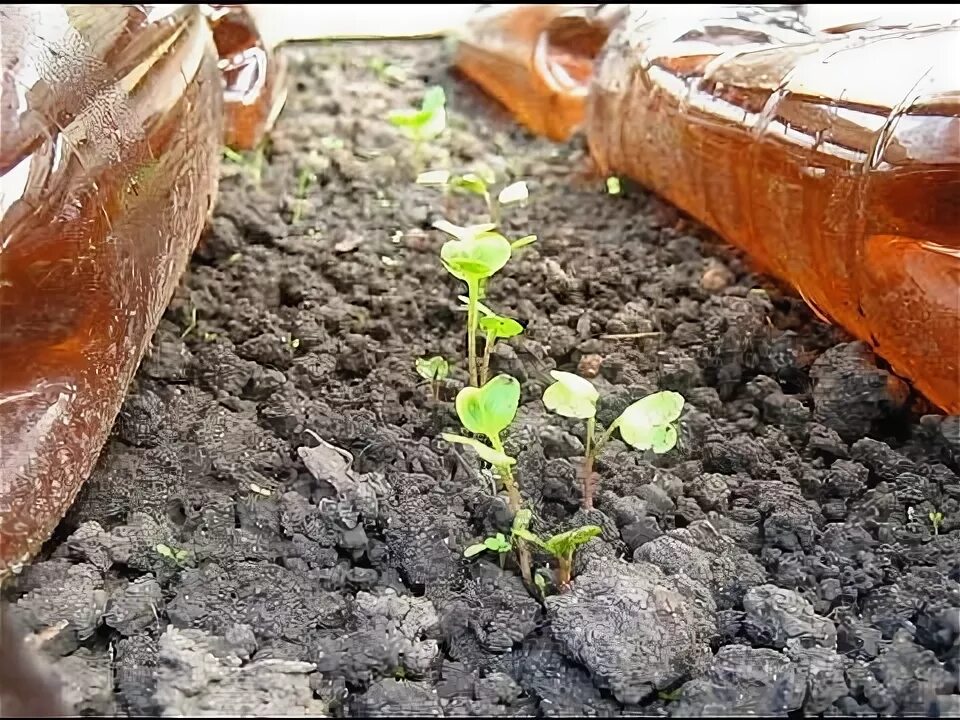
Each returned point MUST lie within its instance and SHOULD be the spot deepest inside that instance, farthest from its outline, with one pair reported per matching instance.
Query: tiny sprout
(434, 370)
(426, 123)
(475, 255)
(523, 242)
(613, 185)
(496, 328)
(498, 544)
(936, 520)
(306, 178)
(179, 557)
(488, 411)
(562, 546)
(647, 424)
(478, 183)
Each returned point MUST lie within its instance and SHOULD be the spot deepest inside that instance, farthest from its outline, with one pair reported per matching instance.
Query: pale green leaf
(433, 177)
(523, 242)
(515, 192)
(571, 396)
(433, 99)
(463, 232)
(474, 549)
(490, 409)
(613, 185)
(471, 182)
(500, 327)
(486, 453)
(435, 368)
(565, 543)
(657, 409)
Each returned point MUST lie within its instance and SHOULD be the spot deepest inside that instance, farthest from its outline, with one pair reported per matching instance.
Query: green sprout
(488, 411)
(480, 184)
(474, 255)
(304, 180)
(426, 123)
(434, 370)
(496, 543)
(613, 185)
(250, 162)
(496, 328)
(562, 547)
(936, 520)
(647, 424)
(179, 557)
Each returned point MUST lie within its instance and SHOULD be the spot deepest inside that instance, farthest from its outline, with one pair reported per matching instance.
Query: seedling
(562, 547)
(479, 184)
(496, 328)
(249, 162)
(434, 370)
(488, 411)
(304, 180)
(177, 556)
(424, 124)
(475, 255)
(936, 520)
(647, 424)
(496, 543)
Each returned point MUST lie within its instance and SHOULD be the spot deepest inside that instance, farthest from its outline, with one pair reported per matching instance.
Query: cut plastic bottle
(113, 120)
(831, 158)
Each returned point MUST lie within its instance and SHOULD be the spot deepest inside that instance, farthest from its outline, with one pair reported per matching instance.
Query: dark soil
(781, 559)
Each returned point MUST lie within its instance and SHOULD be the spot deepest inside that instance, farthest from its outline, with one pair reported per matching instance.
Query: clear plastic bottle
(831, 158)
(113, 119)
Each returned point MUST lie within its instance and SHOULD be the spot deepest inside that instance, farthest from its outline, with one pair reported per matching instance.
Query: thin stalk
(564, 572)
(435, 385)
(473, 291)
(588, 465)
(523, 554)
(487, 350)
(493, 207)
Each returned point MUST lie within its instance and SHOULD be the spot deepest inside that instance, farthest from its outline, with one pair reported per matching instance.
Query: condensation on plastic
(113, 119)
(831, 158)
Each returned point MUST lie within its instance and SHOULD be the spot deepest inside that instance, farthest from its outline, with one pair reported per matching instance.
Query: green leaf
(486, 453)
(647, 423)
(521, 521)
(571, 396)
(475, 549)
(523, 242)
(500, 327)
(490, 409)
(497, 544)
(541, 584)
(470, 182)
(525, 534)
(613, 185)
(476, 258)
(435, 368)
(515, 192)
(565, 543)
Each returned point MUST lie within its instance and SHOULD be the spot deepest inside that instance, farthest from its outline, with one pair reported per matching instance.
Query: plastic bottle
(831, 158)
(113, 120)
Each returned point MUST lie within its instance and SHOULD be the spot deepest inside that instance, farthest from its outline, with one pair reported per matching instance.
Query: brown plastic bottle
(113, 118)
(831, 158)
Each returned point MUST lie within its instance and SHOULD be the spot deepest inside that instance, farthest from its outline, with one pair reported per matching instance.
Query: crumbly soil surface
(782, 558)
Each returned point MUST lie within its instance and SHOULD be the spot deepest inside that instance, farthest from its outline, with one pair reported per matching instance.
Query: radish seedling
(496, 543)
(647, 424)
(423, 124)
(562, 546)
(476, 254)
(434, 370)
(496, 328)
(480, 184)
(488, 411)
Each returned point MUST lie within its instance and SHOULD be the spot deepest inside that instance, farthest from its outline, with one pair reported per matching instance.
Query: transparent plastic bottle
(831, 158)
(113, 119)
